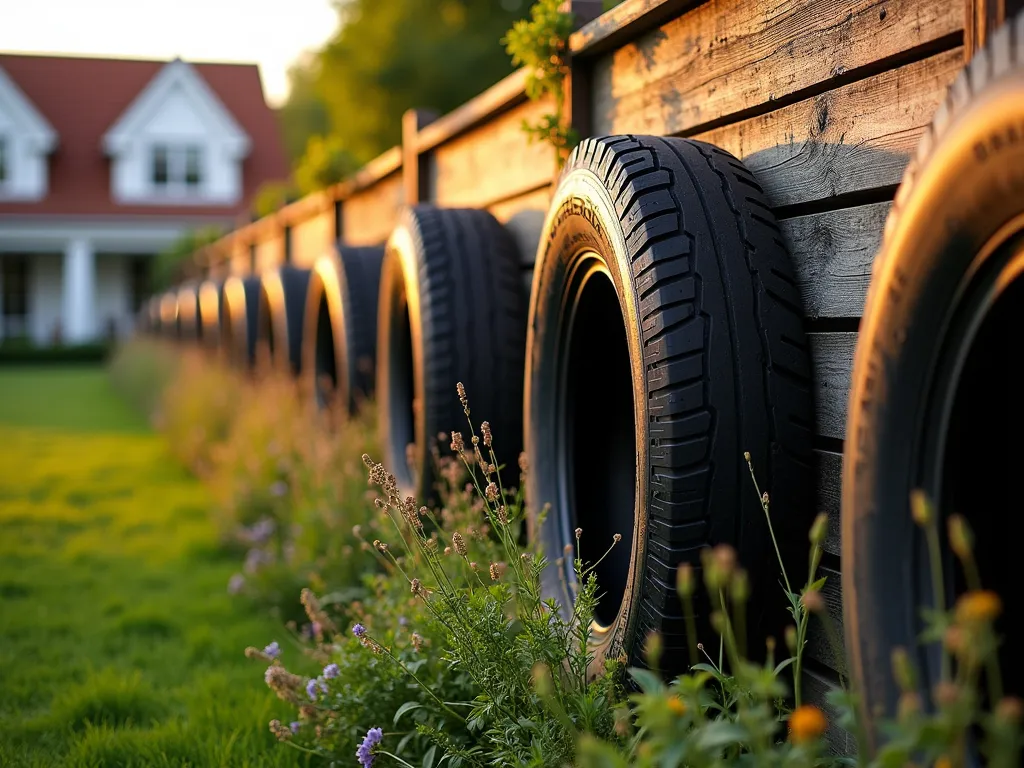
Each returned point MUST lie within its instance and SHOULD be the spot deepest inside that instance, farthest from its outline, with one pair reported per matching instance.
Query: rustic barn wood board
(371, 213)
(312, 237)
(270, 251)
(494, 161)
(726, 57)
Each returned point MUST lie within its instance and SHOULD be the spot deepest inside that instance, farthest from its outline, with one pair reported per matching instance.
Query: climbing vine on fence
(540, 43)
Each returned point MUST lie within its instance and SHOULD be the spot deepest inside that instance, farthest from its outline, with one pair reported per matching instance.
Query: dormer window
(177, 169)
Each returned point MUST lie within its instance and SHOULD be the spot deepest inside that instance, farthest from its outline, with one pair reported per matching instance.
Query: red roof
(82, 98)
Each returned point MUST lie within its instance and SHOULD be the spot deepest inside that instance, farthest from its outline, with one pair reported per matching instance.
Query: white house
(103, 164)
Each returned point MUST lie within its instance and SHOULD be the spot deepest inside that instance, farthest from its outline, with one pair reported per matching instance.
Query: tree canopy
(387, 56)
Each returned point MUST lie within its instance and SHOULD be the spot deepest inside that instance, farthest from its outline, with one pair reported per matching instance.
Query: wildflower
(676, 706)
(447, 550)
(315, 685)
(492, 492)
(474, 566)
(459, 543)
(417, 641)
(236, 584)
(358, 630)
(461, 389)
(502, 515)
(416, 586)
(281, 733)
(485, 428)
(366, 753)
(806, 724)
(273, 650)
(979, 606)
(496, 571)
(458, 443)
(294, 726)
(331, 671)
(402, 621)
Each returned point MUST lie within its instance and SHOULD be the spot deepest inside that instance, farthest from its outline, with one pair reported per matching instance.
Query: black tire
(282, 312)
(189, 327)
(209, 312)
(452, 308)
(340, 337)
(935, 401)
(665, 339)
(239, 310)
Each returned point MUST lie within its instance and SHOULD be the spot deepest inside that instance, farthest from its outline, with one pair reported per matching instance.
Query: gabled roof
(83, 98)
(177, 74)
(24, 114)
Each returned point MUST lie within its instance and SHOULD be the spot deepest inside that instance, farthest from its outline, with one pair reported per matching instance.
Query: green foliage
(272, 196)
(540, 44)
(325, 162)
(304, 114)
(118, 642)
(171, 265)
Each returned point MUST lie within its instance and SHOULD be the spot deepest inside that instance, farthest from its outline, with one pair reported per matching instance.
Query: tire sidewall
(971, 186)
(582, 218)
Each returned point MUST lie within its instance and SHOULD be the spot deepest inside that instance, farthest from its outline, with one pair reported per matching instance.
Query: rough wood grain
(495, 161)
(622, 23)
(828, 495)
(312, 237)
(832, 253)
(506, 93)
(726, 57)
(832, 363)
(372, 212)
(820, 647)
(853, 139)
(816, 688)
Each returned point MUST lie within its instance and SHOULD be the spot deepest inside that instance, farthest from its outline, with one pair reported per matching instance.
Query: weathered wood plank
(270, 251)
(372, 212)
(624, 22)
(855, 138)
(833, 253)
(815, 689)
(820, 647)
(312, 237)
(504, 94)
(726, 57)
(828, 495)
(494, 162)
(832, 363)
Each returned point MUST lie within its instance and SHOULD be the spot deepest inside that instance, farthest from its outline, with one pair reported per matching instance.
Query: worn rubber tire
(451, 309)
(282, 312)
(934, 402)
(189, 327)
(239, 310)
(340, 337)
(665, 339)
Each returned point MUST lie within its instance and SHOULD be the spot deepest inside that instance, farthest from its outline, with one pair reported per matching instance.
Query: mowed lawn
(119, 645)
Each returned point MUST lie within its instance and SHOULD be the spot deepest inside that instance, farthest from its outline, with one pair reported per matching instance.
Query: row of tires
(663, 338)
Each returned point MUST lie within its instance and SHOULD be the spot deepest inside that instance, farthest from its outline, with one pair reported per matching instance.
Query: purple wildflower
(273, 650)
(236, 584)
(315, 628)
(331, 671)
(295, 725)
(315, 685)
(358, 630)
(260, 531)
(366, 753)
(402, 621)
(279, 489)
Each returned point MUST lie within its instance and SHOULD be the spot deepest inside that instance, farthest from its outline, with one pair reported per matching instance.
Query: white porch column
(79, 292)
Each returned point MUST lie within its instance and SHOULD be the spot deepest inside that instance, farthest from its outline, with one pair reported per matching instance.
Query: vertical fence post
(416, 179)
(982, 18)
(577, 89)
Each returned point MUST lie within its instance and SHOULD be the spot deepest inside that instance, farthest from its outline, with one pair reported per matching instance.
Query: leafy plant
(541, 44)
(272, 196)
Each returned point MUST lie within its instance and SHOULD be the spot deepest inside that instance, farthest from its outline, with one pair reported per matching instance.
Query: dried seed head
(497, 570)
(281, 731)
(524, 462)
(461, 389)
(473, 565)
(746, 456)
(417, 641)
(458, 444)
(367, 461)
(485, 428)
(492, 492)
(357, 531)
(578, 532)
(502, 515)
(447, 550)
(416, 587)
(459, 543)
(424, 511)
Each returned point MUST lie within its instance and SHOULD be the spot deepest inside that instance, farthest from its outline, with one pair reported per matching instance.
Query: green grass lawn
(119, 645)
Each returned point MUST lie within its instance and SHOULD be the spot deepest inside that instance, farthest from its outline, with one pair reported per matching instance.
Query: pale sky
(271, 33)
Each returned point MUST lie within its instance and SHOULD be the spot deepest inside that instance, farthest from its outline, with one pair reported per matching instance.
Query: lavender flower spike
(314, 686)
(331, 671)
(358, 630)
(366, 753)
(295, 726)
(273, 650)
